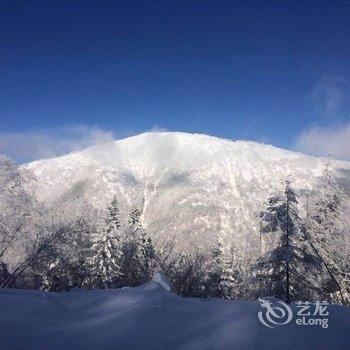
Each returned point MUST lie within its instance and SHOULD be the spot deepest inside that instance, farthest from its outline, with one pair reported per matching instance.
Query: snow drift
(151, 317)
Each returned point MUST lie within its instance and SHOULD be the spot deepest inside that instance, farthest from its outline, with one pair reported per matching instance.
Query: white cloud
(46, 143)
(328, 95)
(157, 128)
(322, 141)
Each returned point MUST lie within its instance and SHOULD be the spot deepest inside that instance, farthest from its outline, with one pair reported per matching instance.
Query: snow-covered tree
(4, 273)
(16, 205)
(188, 274)
(215, 267)
(325, 230)
(290, 269)
(66, 264)
(131, 263)
(24, 235)
(107, 251)
(148, 256)
(57, 277)
(225, 275)
(138, 252)
(227, 280)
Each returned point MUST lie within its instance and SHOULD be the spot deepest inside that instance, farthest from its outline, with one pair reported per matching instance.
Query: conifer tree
(227, 280)
(132, 251)
(107, 251)
(326, 233)
(225, 275)
(290, 269)
(148, 255)
(215, 267)
(238, 272)
(138, 252)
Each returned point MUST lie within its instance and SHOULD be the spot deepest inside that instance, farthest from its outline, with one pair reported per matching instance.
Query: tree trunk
(287, 261)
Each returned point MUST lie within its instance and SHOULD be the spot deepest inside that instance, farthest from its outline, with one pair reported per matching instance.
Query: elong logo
(278, 313)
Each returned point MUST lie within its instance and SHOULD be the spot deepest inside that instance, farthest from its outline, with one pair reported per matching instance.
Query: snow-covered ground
(151, 317)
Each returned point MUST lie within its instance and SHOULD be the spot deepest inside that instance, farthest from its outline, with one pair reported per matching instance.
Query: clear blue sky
(260, 70)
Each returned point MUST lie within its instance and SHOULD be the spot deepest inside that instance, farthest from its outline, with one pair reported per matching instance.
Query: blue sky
(270, 71)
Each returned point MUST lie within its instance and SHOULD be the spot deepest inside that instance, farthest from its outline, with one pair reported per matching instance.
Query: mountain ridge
(187, 186)
(184, 134)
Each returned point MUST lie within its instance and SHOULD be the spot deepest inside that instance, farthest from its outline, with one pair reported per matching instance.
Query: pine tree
(132, 257)
(326, 233)
(215, 268)
(139, 255)
(238, 272)
(134, 220)
(148, 256)
(290, 269)
(227, 280)
(107, 251)
(57, 277)
(225, 275)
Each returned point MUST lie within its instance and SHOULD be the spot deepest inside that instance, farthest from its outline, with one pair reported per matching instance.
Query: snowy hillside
(150, 317)
(187, 185)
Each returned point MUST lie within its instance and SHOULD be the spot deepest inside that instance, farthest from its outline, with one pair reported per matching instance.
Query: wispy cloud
(158, 128)
(46, 143)
(321, 141)
(328, 95)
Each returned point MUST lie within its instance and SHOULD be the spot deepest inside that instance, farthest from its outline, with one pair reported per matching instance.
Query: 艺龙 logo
(275, 313)
(278, 313)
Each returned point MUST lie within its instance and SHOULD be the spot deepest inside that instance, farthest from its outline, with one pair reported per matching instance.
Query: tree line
(302, 248)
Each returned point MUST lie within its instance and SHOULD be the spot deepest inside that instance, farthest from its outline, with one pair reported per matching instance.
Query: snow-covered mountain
(188, 186)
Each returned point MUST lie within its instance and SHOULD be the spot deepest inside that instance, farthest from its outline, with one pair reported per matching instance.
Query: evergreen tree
(231, 278)
(227, 280)
(326, 233)
(290, 269)
(107, 251)
(225, 275)
(238, 272)
(134, 220)
(138, 252)
(132, 260)
(215, 268)
(148, 254)
(57, 277)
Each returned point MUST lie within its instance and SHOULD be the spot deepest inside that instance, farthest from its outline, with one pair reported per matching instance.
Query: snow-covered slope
(187, 185)
(149, 317)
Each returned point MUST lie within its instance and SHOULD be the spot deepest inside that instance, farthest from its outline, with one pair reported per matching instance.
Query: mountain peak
(161, 146)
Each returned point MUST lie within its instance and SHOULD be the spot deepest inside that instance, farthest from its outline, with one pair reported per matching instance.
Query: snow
(150, 317)
(159, 278)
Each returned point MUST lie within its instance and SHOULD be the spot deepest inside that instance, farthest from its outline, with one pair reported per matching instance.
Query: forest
(303, 254)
